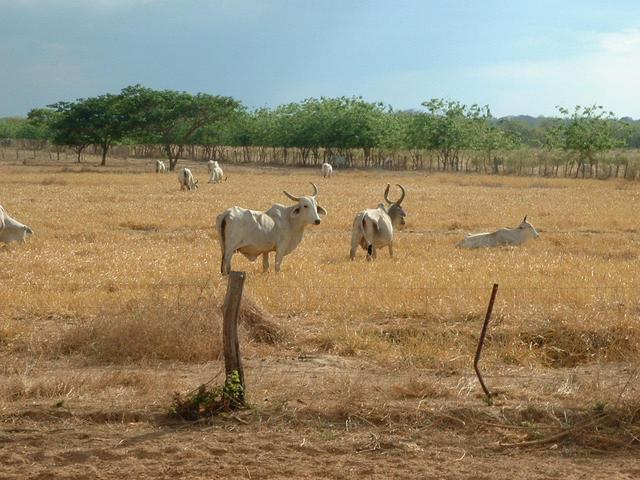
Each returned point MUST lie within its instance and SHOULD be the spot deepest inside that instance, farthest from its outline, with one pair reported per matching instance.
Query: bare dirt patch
(320, 416)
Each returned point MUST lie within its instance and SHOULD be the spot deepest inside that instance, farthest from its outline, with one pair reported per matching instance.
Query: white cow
(211, 164)
(216, 174)
(254, 233)
(12, 230)
(161, 167)
(185, 177)
(373, 228)
(502, 237)
(327, 170)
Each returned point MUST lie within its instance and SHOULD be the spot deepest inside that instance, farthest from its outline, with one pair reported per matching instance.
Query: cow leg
(265, 262)
(371, 252)
(279, 257)
(356, 238)
(226, 263)
(391, 250)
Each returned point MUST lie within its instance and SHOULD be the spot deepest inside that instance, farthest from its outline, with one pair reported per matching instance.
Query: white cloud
(627, 41)
(609, 74)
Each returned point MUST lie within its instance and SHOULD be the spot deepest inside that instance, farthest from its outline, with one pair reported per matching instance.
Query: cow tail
(363, 231)
(223, 243)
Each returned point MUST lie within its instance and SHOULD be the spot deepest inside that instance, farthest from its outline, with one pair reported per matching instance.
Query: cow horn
(403, 193)
(386, 194)
(525, 218)
(297, 199)
(292, 197)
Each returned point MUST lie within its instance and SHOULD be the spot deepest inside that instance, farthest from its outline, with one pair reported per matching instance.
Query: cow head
(395, 210)
(528, 229)
(307, 211)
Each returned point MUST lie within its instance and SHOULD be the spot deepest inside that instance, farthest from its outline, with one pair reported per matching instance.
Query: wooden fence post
(230, 311)
(481, 341)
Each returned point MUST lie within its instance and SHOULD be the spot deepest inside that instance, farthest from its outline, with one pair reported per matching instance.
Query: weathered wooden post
(481, 341)
(230, 312)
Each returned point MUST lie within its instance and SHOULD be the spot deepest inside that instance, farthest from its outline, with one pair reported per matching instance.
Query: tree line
(441, 135)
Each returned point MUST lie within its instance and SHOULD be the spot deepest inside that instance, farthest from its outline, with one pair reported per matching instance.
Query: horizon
(519, 59)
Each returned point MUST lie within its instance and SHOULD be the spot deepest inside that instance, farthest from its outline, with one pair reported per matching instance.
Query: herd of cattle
(280, 229)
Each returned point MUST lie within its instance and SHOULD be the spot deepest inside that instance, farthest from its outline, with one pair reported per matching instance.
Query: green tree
(488, 138)
(96, 121)
(18, 127)
(447, 129)
(66, 128)
(172, 118)
(341, 124)
(586, 132)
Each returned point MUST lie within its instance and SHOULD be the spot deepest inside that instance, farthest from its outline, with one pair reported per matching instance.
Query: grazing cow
(502, 237)
(216, 174)
(160, 167)
(327, 170)
(12, 230)
(211, 164)
(254, 233)
(185, 177)
(373, 228)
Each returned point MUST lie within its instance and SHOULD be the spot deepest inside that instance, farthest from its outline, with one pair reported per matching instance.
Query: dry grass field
(113, 305)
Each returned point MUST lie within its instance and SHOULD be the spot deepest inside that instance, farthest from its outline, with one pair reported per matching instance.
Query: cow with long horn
(254, 233)
(373, 228)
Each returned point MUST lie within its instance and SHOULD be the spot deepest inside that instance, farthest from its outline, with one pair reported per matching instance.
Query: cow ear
(295, 212)
(321, 211)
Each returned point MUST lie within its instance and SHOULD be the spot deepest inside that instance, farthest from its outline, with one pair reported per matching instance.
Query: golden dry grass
(114, 303)
(123, 266)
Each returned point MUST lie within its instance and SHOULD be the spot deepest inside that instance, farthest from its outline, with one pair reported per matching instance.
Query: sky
(517, 56)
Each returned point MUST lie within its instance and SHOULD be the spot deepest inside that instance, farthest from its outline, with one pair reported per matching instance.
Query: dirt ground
(382, 425)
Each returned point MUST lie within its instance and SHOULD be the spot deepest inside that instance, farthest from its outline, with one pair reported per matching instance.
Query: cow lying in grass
(502, 237)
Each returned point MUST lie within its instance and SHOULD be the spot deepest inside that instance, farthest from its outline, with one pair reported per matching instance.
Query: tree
(586, 132)
(16, 127)
(447, 129)
(172, 118)
(488, 138)
(96, 121)
(66, 127)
